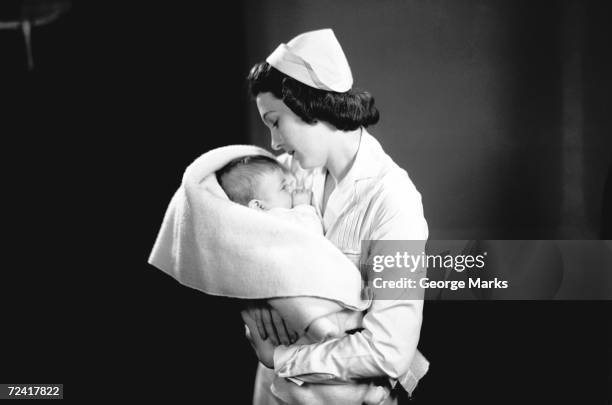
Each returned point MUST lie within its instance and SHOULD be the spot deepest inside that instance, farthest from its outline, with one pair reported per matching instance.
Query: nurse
(305, 96)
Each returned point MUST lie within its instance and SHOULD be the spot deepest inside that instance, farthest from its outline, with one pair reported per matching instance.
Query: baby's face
(274, 189)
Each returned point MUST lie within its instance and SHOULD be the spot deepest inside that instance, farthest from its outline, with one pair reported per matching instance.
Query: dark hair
(240, 177)
(345, 111)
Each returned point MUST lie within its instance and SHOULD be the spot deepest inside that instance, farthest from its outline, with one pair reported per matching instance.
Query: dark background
(497, 109)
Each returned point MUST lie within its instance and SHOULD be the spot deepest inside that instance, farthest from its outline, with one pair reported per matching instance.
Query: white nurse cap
(316, 59)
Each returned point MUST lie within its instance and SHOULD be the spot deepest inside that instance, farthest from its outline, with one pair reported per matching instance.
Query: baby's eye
(275, 124)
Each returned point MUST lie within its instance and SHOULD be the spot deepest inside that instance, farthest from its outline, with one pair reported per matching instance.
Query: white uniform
(376, 200)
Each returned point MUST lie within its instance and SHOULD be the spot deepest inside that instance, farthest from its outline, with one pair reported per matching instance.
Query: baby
(262, 183)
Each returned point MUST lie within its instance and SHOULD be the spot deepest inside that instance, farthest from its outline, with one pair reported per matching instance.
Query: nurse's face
(307, 143)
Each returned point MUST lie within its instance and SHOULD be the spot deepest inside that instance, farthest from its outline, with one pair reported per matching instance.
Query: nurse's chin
(306, 164)
(297, 159)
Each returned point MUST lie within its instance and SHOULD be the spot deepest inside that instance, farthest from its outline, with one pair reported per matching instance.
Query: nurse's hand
(264, 349)
(301, 196)
(270, 324)
(376, 395)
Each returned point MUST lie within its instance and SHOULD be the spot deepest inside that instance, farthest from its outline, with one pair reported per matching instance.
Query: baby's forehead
(280, 174)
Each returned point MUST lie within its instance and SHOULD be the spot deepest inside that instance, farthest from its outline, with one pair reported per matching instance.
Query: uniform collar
(368, 161)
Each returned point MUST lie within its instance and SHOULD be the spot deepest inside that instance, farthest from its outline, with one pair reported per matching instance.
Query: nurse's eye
(275, 124)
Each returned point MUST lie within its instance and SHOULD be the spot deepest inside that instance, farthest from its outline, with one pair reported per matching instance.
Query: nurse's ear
(256, 204)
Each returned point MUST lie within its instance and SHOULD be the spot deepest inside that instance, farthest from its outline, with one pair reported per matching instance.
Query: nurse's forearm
(385, 347)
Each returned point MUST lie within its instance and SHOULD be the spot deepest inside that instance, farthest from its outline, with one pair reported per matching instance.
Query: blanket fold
(222, 248)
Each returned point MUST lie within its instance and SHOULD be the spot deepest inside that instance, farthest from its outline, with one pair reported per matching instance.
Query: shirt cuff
(285, 367)
(283, 359)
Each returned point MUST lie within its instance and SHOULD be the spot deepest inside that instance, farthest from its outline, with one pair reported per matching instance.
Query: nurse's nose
(275, 141)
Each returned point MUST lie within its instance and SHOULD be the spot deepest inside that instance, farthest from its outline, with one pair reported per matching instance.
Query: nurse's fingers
(249, 324)
(251, 332)
(263, 348)
(255, 313)
(266, 319)
(293, 335)
(279, 326)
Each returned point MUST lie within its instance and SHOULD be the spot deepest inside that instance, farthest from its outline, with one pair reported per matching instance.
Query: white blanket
(222, 248)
